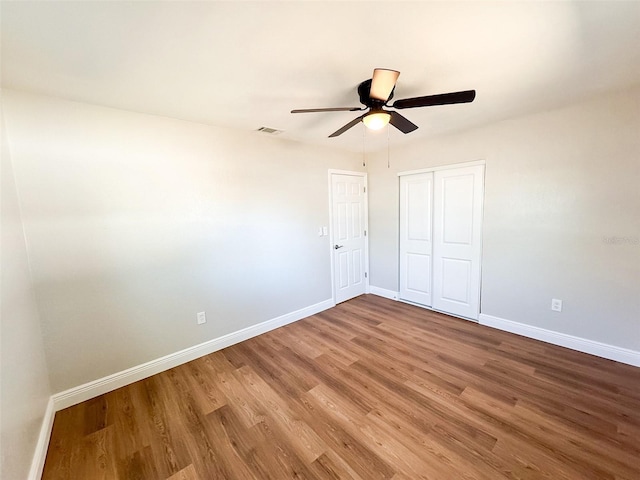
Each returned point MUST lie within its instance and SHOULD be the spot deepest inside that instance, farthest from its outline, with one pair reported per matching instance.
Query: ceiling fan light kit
(376, 119)
(376, 93)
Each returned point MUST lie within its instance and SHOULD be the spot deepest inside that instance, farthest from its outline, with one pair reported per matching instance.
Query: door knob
(336, 247)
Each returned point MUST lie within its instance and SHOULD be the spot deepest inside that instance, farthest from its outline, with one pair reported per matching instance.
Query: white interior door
(416, 239)
(457, 215)
(348, 206)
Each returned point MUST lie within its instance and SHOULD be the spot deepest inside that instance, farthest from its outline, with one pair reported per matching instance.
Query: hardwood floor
(371, 389)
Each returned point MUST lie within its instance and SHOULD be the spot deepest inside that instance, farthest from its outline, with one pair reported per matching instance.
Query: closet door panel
(416, 237)
(457, 226)
(456, 280)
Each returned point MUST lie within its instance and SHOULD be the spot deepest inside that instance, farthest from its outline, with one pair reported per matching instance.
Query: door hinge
(365, 189)
(365, 233)
(365, 274)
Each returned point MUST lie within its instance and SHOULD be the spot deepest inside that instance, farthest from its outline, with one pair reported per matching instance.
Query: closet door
(416, 198)
(457, 243)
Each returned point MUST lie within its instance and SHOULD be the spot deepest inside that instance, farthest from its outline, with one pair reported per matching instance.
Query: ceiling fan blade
(442, 99)
(401, 123)
(340, 131)
(382, 83)
(331, 109)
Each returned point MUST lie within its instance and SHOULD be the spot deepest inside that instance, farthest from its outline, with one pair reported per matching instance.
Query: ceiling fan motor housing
(364, 91)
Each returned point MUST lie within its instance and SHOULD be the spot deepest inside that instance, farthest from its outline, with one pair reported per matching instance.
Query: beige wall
(559, 186)
(24, 382)
(136, 223)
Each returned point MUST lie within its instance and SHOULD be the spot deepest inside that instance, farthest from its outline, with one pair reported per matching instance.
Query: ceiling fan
(375, 94)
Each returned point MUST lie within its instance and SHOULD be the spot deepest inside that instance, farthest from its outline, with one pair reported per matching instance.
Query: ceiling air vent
(270, 131)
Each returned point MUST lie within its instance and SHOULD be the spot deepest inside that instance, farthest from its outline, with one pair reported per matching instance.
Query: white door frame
(443, 167)
(332, 252)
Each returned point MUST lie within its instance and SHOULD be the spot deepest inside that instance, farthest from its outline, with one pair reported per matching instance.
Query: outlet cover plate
(202, 318)
(556, 305)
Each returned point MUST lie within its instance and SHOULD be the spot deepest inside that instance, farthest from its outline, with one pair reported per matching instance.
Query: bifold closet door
(457, 242)
(416, 221)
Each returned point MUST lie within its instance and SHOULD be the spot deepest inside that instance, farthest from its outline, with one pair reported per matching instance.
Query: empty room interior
(320, 240)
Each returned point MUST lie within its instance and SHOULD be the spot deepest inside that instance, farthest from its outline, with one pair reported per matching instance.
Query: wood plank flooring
(371, 389)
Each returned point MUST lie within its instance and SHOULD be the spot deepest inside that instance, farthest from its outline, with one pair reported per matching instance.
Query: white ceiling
(247, 64)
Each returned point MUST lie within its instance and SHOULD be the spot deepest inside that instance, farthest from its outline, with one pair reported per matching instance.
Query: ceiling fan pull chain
(388, 161)
(364, 132)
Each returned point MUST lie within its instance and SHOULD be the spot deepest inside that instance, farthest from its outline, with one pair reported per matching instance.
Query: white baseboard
(383, 292)
(611, 352)
(106, 384)
(40, 453)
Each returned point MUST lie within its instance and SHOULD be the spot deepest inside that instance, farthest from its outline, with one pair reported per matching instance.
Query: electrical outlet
(202, 318)
(556, 305)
